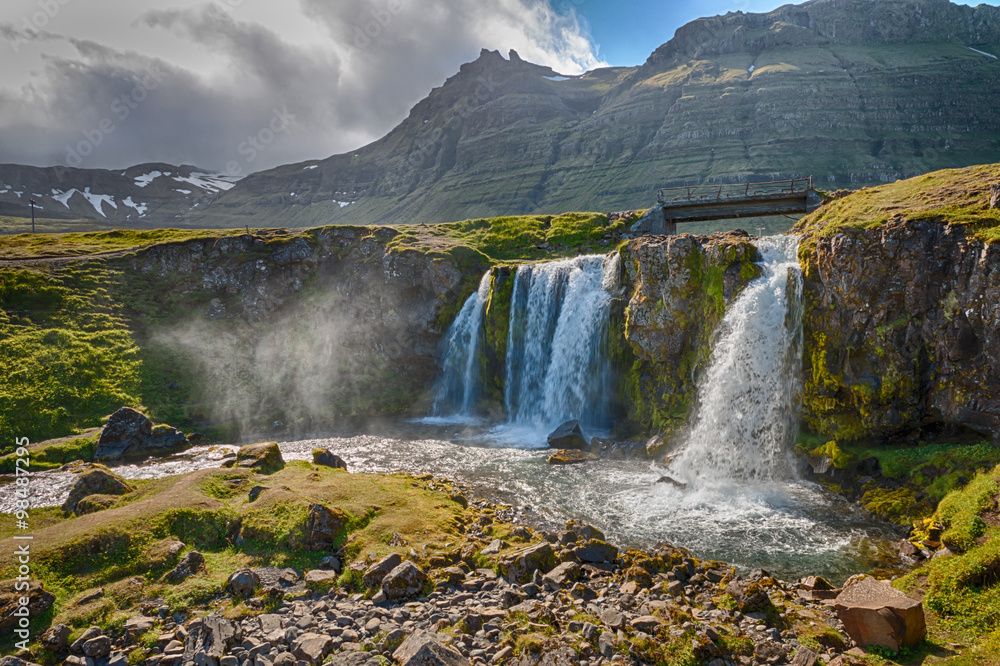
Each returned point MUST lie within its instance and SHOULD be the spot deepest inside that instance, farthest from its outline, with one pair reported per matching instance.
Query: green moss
(960, 511)
(897, 505)
(496, 324)
(840, 458)
(54, 455)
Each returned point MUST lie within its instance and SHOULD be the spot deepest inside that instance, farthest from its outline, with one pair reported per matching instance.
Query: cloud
(375, 60)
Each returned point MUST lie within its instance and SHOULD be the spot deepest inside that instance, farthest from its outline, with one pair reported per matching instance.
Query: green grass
(55, 454)
(957, 197)
(514, 238)
(74, 244)
(960, 511)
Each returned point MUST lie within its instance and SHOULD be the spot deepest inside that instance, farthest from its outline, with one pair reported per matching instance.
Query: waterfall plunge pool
(791, 528)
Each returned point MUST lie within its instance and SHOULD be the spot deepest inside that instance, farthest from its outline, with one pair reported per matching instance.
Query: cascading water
(457, 387)
(557, 363)
(745, 415)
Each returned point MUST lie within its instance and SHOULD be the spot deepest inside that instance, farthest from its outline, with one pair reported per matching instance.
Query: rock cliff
(902, 314)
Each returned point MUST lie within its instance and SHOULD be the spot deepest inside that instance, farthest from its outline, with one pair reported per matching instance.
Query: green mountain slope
(851, 91)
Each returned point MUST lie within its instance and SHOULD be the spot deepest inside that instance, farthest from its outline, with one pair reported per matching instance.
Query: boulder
(56, 637)
(571, 456)
(596, 551)
(312, 647)
(375, 573)
(242, 583)
(126, 430)
(138, 625)
(749, 595)
(584, 532)
(321, 577)
(567, 436)
(94, 503)
(97, 647)
(97, 480)
(129, 432)
(519, 566)
(404, 581)
(39, 601)
(324, 527)
(876, 613)
(422, 649)
(190, 564)
(264, 457)
(211, 635)
(655, 447)
(327, 458)
(562, 575)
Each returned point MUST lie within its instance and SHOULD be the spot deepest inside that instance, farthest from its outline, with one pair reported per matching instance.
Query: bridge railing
(708, 193)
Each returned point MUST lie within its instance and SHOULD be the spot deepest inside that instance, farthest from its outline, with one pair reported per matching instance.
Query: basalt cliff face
(902, 331)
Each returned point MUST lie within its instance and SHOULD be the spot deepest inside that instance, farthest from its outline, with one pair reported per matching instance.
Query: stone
(655, 447)
(211, 636)
(264, 457)
(321, 577)
(613, 618)
(125, 431)
(88, 634)
(190, 564)
(571, 457)
(804, 657)
(493, 548)
(312, 647)
(94, 503)
(819, 463)
(406, 580)
(39, 601)
(875, 613)
(56, 637)
(324, 527)
(327, 458)
(749, 595)
(97, 647)
(646, 623)
(584, 532)
(421, 649)
(138, 625)
(374, 574)
(596, 551)
(562, 575)
(519, 566)
(242, 583)
(567, 436)
(96, 480)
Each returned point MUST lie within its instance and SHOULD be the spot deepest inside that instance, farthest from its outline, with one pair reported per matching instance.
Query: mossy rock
(264, 457)
(97, 480)
(839, 458)
(93, 503)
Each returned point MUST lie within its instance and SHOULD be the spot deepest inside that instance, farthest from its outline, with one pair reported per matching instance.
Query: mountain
(145, 195)
(853, 92)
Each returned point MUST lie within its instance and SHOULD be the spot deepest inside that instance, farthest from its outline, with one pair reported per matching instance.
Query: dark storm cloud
(100, 106)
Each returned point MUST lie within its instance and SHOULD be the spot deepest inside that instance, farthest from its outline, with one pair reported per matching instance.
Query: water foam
(745, 417)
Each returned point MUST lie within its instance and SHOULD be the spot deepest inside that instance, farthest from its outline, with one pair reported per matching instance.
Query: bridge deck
(697, 203)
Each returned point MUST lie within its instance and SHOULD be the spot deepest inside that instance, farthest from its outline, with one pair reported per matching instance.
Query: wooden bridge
(699, 203)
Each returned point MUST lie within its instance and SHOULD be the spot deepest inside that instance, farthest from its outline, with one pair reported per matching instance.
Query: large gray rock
(567, 436)
(190, 564)
(375, 573)
(95, 481)
(129, 432)
(421, 649)
(242, 583)
(312, 647)
(328, 458)
(264, 457)
(876, 613)
(596, 551)
(324, 527)
(211, 635)
(405, 581)
(519, 566)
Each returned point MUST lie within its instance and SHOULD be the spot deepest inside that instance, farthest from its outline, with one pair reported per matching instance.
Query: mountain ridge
(854, 92)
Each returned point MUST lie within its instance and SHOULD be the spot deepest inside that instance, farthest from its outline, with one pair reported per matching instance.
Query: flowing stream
(742, 502)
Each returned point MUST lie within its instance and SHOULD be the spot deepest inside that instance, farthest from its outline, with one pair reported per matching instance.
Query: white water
(745, 415)
(457, 388)
(557, 366)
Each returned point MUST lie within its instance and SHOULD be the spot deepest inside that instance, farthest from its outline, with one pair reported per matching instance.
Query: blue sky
(627, 32)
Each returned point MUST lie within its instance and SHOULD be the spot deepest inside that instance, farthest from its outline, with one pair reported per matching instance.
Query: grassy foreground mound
(126, 551)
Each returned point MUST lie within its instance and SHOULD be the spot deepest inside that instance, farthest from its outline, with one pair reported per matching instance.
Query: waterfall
(557, 364)
(456, 389)
(745, 416)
